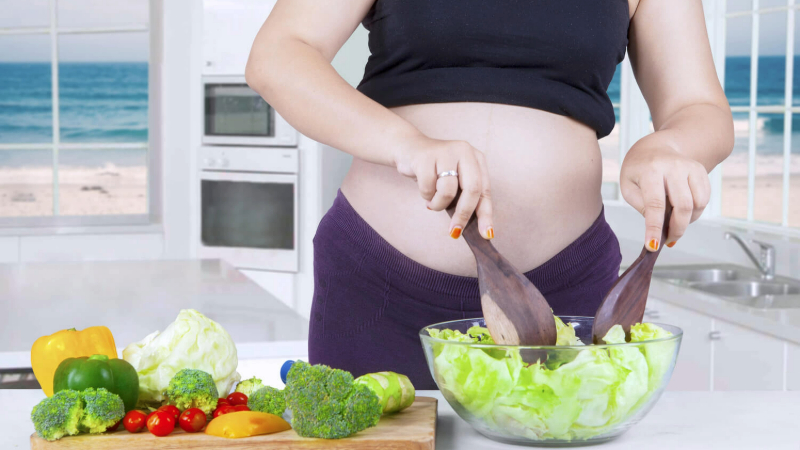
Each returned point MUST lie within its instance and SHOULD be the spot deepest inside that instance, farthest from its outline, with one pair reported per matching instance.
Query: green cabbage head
(192, 341)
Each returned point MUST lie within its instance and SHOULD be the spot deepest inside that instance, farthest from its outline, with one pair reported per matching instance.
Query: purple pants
(371, 301)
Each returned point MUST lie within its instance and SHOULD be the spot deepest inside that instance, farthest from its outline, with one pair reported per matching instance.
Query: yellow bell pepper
(243, 424)
(48, 351)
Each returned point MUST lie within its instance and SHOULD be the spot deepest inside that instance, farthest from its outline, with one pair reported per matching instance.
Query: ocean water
(107, 102)
(98, 102)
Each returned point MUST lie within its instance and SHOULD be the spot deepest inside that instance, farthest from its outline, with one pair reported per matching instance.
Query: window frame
(718, 19)
(86, 223)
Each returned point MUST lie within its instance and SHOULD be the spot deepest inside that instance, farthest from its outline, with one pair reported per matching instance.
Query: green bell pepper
(98, 371)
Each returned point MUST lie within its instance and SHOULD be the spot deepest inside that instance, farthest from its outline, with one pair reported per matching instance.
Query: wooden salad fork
(625, 302)
(516, 313)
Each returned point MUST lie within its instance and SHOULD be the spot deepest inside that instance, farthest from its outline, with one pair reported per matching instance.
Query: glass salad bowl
(565, 395)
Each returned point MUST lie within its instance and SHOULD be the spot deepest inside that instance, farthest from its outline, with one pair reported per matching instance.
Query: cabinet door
(229, 29)
(693, 369)
(792, 366)
(746, 360)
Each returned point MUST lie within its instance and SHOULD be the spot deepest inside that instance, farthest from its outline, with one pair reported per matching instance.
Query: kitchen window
(75, 89)
(759, 184)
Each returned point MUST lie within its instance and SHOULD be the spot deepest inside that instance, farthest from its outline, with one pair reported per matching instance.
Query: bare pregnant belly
(545, 173)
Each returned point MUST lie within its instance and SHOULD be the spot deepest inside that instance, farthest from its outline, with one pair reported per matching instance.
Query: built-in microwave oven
(249, 206)
(234, 114)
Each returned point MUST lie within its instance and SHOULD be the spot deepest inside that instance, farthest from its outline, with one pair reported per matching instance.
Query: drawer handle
(715, 335)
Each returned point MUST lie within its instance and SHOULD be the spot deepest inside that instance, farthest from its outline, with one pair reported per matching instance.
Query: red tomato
(237, 398)
(222, 402)
(134, 421)
(115, 426)
(161, 423)
(241, 408)
(172, 409)
(223, 410)
(192, 420)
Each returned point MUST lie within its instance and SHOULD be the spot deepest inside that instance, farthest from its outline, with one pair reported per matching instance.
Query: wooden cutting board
(413, 428)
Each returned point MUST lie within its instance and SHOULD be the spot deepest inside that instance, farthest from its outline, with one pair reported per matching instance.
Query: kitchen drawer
(693, 369)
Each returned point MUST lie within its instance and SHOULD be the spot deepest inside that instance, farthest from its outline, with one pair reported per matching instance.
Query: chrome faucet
(766, 262)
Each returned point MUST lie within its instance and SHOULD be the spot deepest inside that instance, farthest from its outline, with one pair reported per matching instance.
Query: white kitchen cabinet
(792, 367)
(229, 27)
(693, 369)
(746, 360)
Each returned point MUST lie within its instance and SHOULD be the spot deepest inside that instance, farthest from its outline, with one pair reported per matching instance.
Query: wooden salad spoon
(516, 313)
(625, 302)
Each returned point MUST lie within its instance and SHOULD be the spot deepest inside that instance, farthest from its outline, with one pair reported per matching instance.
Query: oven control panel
(250, 159)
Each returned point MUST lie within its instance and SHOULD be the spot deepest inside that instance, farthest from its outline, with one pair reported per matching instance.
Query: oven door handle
(214, 175)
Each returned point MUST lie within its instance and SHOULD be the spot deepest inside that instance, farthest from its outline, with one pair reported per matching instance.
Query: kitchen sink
(688, 275)
(747, 288)
(735, 284)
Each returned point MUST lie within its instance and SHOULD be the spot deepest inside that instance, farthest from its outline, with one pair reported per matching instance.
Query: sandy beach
(106, 190)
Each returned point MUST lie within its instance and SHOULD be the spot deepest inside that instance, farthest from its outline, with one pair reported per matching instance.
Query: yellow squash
(48, 351)
(246, 423)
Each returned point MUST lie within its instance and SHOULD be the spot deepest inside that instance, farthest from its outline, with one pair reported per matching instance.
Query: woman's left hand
(651, 176)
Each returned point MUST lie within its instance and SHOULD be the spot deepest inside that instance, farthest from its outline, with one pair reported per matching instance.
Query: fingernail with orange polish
(490, 233)
(671, 244)
(429, 208)
(653, 244)
(455, 233)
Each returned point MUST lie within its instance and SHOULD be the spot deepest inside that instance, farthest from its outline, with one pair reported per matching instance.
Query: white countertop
(684, 420)
(133, 299)
(781, 323)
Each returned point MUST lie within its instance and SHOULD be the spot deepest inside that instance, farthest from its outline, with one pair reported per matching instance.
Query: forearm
(300, 83)
(702, 132)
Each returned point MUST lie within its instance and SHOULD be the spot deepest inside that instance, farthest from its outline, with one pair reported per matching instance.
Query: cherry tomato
(192, 420)
(115, 426)
(222, 402)
(223, 410)
(134, 421)
(237, 398)
(172, 409)
(241, 408)
(161, 423)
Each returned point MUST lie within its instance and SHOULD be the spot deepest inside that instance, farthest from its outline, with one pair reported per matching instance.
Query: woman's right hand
(423, 159)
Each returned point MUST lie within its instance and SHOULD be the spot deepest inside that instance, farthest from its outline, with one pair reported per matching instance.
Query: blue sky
(134, 47)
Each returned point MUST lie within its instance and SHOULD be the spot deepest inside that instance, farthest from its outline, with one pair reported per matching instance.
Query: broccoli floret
(192, 388)
(249, 387)
(267, 400)
(58, 416)
(103, 409)
(326, 403)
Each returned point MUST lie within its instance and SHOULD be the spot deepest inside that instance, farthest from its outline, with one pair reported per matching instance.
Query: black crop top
(555, 55)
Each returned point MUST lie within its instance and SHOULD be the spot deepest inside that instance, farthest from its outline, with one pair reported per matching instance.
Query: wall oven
(249, 206)
(234, 114)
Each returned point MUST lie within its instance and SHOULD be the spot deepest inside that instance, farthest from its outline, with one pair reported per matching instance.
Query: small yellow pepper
(48, 351)
(243, 424)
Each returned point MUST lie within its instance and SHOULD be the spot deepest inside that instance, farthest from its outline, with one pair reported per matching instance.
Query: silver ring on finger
(448, 173)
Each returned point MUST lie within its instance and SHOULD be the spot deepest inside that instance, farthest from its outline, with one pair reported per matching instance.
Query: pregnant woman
(505, 99)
